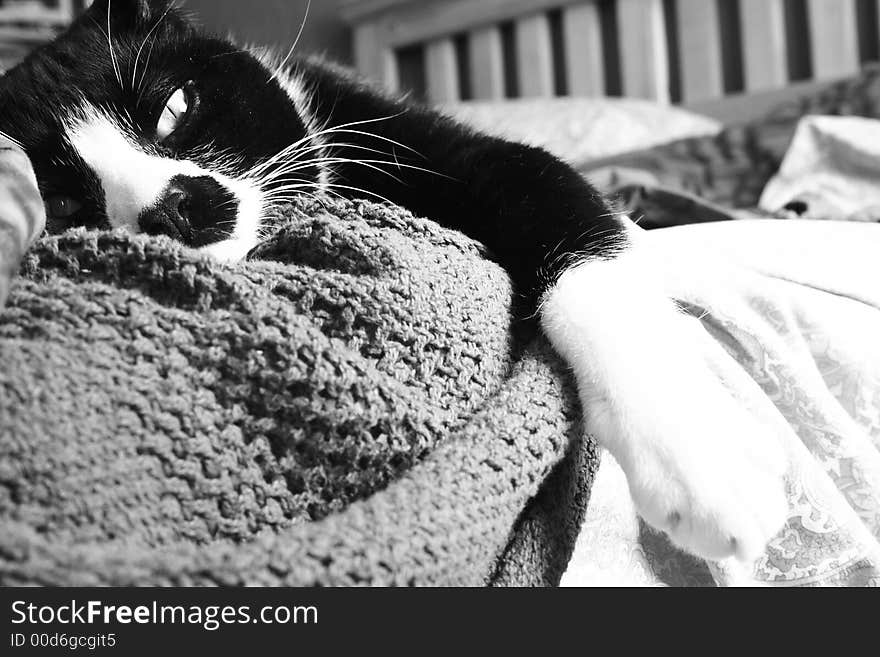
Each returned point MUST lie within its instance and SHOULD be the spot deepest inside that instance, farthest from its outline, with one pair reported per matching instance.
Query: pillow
(580, 129)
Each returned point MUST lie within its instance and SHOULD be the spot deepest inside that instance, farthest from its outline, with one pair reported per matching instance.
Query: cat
(136, 119)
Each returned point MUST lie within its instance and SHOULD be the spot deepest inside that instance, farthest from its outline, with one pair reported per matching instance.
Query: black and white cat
(134, 119)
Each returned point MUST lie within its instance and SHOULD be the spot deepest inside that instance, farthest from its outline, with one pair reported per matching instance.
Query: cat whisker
(396, 164)
(293, 186)
(331, 186)
(113, 59)
(12, 139)
(346, 128)
(307, 164)
(141, 49)
(365, 163)
(293, 166)
(141, 86)
(248, 51)
(284, 200)
(225, 222)
(360, 190)
(276, 159)
(286, 59)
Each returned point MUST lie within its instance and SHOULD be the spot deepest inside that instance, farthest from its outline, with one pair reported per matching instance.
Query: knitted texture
(349, 407)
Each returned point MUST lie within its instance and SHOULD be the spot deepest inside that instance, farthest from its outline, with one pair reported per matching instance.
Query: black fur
(237, 113)
(531, 210)
(197, 211)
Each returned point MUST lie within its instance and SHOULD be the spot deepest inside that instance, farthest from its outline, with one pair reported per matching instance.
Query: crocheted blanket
(349, 407)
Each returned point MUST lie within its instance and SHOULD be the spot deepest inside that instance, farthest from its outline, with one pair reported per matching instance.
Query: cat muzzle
(197, 211)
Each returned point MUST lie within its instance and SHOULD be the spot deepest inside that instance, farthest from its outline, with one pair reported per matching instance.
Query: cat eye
(62, 207)
(173, 114)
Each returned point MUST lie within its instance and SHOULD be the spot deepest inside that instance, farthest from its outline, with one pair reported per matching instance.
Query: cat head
(136, 119)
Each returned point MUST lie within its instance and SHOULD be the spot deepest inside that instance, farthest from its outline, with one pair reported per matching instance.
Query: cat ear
(132, 11)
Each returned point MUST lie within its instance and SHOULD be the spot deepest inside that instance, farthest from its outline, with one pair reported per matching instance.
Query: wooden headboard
(682, 51)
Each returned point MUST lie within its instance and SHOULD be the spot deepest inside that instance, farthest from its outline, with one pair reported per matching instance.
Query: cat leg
(699, 466)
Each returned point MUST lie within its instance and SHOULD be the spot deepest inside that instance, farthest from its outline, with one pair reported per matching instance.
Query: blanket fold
(350, 407)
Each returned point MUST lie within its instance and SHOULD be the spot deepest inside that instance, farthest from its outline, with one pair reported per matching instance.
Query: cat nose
(170, 215)
(190, 209)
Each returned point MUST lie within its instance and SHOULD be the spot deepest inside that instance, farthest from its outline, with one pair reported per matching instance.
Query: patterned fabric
(731, 168)
(830, 171)
(804, 328)
(22, 216)
(801, 352)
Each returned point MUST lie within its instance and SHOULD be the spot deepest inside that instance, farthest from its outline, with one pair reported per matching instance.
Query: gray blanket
(350, 407)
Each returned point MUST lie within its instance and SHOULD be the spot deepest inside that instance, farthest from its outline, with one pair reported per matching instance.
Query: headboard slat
(834, 38)
(643, 52)
(764, 50)
(534, 56)
(487, 64)
(700, 50)
(375, 58)
(442, 71)
(687, 50)
(877, 4)
(582, 30)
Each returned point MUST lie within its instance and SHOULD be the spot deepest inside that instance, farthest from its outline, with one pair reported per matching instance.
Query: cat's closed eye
(174, 113)
(62, 207)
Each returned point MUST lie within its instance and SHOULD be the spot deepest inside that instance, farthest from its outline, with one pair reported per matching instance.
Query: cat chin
(247, 225)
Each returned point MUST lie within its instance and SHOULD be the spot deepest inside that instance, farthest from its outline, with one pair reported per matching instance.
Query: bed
(757, 67)
(284, 423)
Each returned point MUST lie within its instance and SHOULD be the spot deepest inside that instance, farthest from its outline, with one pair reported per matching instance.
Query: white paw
(712, 478)
(700, 465)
